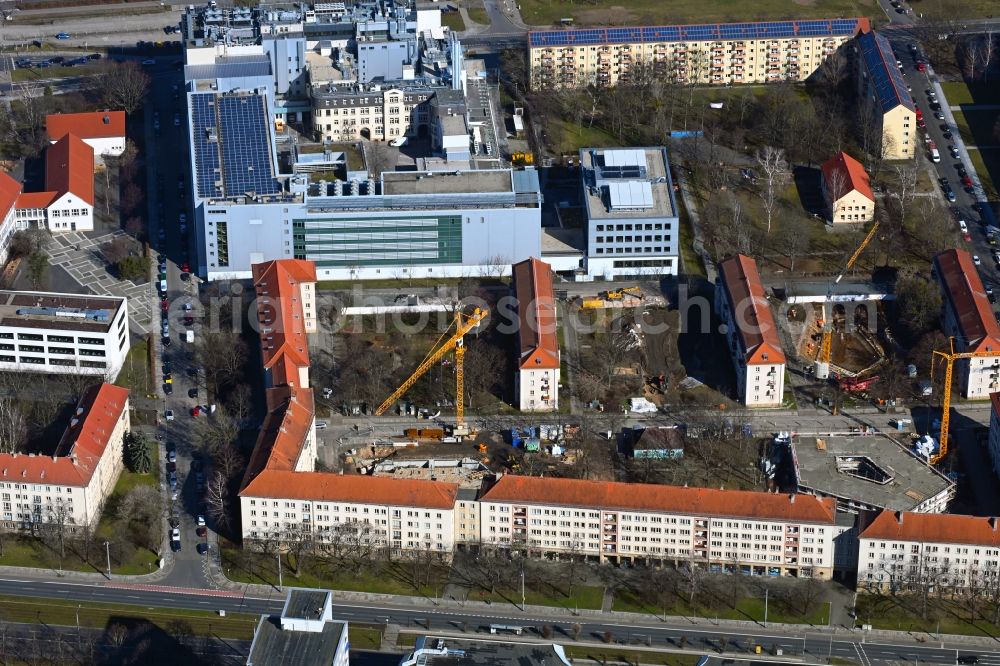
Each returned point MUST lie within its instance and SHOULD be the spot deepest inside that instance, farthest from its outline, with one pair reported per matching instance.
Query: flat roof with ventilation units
(77, 312)
(627, 183)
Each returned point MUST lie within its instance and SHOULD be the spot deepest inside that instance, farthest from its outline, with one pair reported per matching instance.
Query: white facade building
(752, 336)
(104, 131)
(536, 383)
(899, 551)
(70, 486)
(63, 333)
(10, 190)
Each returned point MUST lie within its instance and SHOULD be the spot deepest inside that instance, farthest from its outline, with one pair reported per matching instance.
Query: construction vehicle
(522, 159)
(826, 344)
(451, 339)
(857, 384)
(949, 360)
(619, 294)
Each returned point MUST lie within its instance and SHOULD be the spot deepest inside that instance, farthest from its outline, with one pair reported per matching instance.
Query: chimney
(791, 498)
(107, 120)
(899, 517)
(993, 523)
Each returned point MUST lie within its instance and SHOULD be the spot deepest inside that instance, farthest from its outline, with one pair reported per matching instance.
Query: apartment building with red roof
(10, 190)
(956, 551)
(751, 333)
(847, 190)
(73, 483)
(104, 131)
(615, 522)
(536, 383)
(968, 318)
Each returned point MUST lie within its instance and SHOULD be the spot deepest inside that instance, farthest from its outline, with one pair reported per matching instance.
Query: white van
(935, 155)
(189, 336)
(163, 286)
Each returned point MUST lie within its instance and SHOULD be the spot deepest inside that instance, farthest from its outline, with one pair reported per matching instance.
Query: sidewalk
(699, 246)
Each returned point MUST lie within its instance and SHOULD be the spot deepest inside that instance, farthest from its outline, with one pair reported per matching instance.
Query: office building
(67, 204)
(103, 131)
(632, 223)
(886, 99)
(751, 334)
(63, 333)
(536, 382)
(304, 634)
(405, 224)
(901, 551)
(722, 54)
(968, 319)
(847, 191)
(71, 485)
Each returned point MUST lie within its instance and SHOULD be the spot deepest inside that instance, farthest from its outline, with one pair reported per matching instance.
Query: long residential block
(899, 551)
(968, 319)
(536, 383)
(70, 486)
(751, 333)
(720, 53)
(886, 99)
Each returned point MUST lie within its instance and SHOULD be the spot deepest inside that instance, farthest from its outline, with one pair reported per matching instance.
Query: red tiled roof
(934, 527)
(284, 346)
(852, 176)
(536, 311)
(91, 125)
(282, 434)
(324, 486)
(667, 499)
(10, 189)
(965, 295)
(81, 447)
(752, 313)
(36, 199)
(69, 167)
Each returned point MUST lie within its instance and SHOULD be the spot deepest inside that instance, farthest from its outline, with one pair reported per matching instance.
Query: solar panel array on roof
(677, 33)
(246, 145)
(630, 195)
(885, 78)
(624, 157)
(204, 128)
(622, 172)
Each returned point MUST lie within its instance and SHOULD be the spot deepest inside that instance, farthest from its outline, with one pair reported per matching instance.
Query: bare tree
(117, 634)
(835, 183)
(381, 157)
(58, 522)
(774, 174)
(217, 499)
(834, 70)
(906, 186)
(13, 427)
(122, 85)
(793, 245)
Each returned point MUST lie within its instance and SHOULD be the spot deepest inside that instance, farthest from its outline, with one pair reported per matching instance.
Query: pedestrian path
(80, 256)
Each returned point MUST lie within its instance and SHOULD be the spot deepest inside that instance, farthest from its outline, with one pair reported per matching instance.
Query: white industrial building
(63, 333)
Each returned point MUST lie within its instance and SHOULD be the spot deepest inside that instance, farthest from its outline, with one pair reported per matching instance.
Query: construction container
(532, 444)
(424, 433)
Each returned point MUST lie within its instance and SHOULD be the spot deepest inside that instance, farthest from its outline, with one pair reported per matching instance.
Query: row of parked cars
(56, 61)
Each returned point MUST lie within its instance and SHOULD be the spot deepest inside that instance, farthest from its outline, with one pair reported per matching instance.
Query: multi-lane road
(813, 645)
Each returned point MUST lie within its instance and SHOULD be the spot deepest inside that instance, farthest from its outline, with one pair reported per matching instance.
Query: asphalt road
(811, 645)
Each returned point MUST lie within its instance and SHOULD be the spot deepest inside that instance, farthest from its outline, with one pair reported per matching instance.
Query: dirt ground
(853, 352)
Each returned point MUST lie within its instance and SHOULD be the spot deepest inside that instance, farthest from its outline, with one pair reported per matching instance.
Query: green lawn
(747, 608)
(583, 596)
(956, 9)
(653, 12)
(977, 126)
(567, 138)
(477, 12)
(453, 20)
(97, 614)
(135, 372)
(48, 73)
(381, 578)
(624, 655)
(691, 260)
(903, 613)
(987, 163)
(962, 93)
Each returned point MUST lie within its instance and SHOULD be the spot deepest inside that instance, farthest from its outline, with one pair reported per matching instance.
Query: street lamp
(107, 550)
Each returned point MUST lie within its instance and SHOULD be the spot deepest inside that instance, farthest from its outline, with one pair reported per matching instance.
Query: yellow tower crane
(949, 359)
(823, 359)
(450, 339)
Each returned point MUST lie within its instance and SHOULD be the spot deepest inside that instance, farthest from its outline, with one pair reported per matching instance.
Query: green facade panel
(439, 241)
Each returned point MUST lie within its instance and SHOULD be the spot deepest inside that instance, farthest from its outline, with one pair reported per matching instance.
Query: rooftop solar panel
(206, 151)
(246, 145)
(884, 76)
(671, 33)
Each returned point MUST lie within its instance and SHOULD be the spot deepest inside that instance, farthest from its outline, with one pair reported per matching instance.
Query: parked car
(201, 521)
(175, 539)
(976, 261)
(193, 393)
(63, 35)
(171, 456)
(169, 415)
